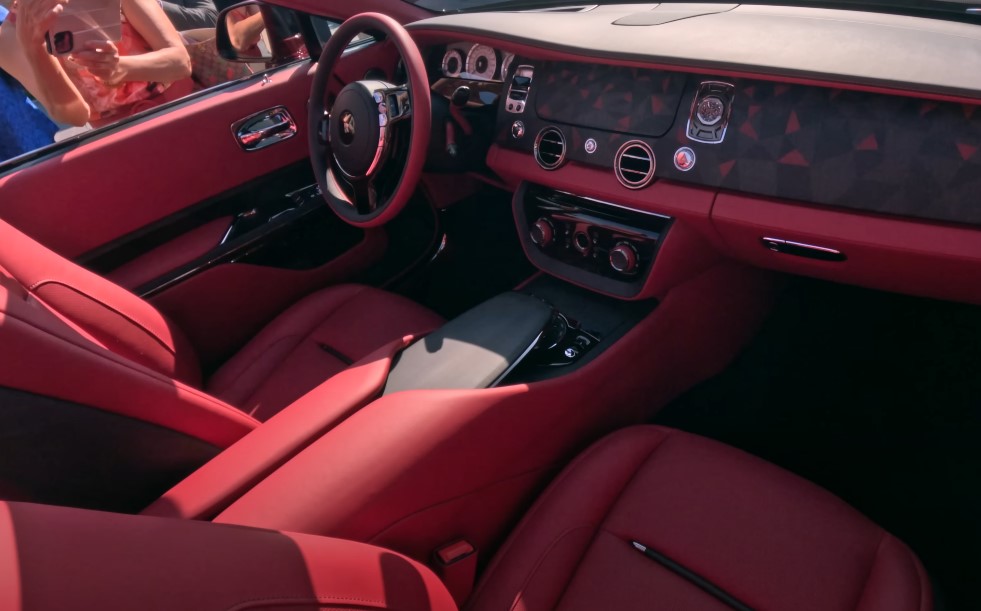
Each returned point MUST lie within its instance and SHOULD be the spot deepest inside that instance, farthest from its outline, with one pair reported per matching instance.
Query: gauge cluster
(475, 62)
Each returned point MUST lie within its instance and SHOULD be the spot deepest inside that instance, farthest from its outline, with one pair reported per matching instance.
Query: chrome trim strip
(250, 138)
(538, 139)
(518, 360)
(606, 203)
(778, 241)
(622, 152)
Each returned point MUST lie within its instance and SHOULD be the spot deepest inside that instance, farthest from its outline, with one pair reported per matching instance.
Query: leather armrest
(228, 475)
(474, 349)
(64, 558)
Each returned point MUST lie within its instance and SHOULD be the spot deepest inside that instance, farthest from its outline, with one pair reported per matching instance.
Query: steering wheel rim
(345, 163)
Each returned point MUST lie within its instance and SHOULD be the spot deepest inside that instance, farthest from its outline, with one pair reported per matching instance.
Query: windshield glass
(961, 10)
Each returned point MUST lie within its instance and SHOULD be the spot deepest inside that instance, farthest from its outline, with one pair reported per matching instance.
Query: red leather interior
(48, 355)
(763, 535)
(315, 339)
(752, 531)
(152, 187)
(223, 307)
(60, 558)
(687, 250)
(415, 470)
(172, 255)
(221, 480)
(110, 315)
(70, 334)
(885, 253)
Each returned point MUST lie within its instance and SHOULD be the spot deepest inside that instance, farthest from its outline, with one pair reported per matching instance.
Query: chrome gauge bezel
(477, 52)
(506, 66)
(461, 62)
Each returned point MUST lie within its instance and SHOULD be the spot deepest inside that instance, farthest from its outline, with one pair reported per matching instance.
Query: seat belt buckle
(456, 565)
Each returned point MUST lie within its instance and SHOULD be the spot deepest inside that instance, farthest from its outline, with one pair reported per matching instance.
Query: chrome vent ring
(634, 164)
(550, 148)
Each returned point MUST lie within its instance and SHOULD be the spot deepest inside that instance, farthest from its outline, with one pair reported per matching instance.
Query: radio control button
(624, 258)
(542, 233)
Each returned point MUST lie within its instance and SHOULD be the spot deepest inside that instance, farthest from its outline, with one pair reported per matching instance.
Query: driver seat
(71, 335)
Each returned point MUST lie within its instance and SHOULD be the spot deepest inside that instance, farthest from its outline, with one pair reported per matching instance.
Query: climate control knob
(623, 258)
(542, 232)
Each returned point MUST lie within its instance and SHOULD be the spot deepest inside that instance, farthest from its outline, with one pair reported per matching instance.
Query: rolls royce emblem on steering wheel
(347, 128)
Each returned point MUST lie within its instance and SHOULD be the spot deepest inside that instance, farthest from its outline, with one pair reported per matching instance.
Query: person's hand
(35, 18)
(101, 58)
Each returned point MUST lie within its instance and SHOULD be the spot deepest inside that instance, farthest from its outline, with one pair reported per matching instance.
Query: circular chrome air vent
(550, 148)
(634, 164)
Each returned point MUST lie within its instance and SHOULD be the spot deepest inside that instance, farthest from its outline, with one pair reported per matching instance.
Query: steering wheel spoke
(359, 195)
(398, 103)
(365, 196)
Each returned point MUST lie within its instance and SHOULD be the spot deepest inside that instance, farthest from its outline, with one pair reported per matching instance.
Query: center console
(544, 330)
(596, 244)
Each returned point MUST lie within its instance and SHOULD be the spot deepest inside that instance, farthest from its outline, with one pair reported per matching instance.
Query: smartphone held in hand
(83, 21)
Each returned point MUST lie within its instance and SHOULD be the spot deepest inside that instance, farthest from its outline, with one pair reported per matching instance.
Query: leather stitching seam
(868, 574)
(244, 604)
(302, 336)
(136, 368)
(505, 549)
(606, 515)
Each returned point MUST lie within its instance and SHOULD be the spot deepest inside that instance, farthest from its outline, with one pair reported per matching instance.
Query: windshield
(960, 10)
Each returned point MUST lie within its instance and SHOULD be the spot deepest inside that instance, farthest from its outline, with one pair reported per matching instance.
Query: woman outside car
(105, 79)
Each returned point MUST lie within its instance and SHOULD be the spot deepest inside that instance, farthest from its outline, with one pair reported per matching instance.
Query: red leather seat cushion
(761, 534)
(312, 341)
(54, 558)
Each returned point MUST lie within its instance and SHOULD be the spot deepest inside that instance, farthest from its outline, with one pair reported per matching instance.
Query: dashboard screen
(612, 98)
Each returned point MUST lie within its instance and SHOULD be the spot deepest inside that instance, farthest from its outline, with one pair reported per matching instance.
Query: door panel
(140, 173)
(173, 208)
(136, 175)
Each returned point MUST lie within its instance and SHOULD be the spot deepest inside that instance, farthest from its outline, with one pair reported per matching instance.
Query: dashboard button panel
(599, 238)
(519, 89)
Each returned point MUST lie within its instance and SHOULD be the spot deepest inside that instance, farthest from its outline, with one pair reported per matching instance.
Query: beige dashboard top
(891, 51)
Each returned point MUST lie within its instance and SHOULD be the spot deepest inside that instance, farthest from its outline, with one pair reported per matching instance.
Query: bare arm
(166, 63)
(246, 33)
(24, 56)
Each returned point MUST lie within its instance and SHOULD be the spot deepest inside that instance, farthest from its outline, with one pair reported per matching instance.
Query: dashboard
(838, 111)
(834, 142)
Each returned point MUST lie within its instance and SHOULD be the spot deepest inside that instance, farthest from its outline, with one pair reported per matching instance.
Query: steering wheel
(352, 141)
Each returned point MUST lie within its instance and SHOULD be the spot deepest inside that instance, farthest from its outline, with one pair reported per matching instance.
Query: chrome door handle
(264, 129)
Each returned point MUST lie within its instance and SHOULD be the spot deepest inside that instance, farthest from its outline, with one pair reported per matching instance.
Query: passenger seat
(648, 518)
(725, 531)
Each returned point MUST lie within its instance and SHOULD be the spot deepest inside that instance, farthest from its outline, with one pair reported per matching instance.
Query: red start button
(684, 159)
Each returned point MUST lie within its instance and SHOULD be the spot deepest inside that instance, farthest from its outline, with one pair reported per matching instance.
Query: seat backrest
(103, 312)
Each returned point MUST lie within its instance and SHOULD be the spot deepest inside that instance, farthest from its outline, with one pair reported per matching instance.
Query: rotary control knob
(542, 232)
(623, 258)
(710, 110)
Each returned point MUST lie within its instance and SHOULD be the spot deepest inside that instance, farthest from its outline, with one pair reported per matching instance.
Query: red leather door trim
(159, 166)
